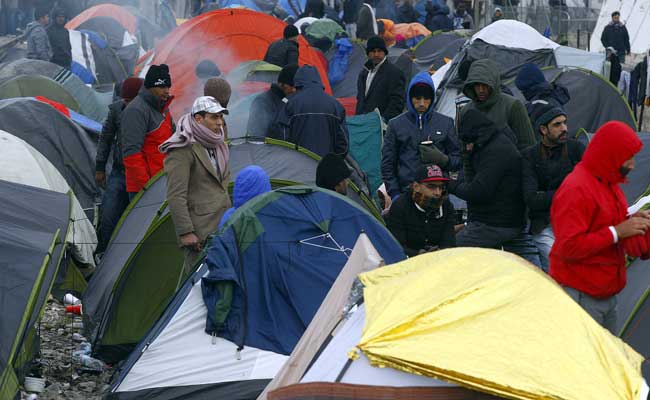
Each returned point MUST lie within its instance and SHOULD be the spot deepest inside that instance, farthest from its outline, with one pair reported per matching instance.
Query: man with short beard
(423, 219)
(545, 165)
(591, 225)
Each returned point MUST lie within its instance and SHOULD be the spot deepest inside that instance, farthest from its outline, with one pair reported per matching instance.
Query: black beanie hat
(331, 170)
(472, 124)
(376, 42)
(290, 31)
(287, 74)
(543, 112)
(158, 76)
(422, 90)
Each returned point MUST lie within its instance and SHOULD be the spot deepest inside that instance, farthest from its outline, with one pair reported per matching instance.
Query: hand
(100, 179)
(431, 155)
(191, 241)
(632, 226)
(642, 214)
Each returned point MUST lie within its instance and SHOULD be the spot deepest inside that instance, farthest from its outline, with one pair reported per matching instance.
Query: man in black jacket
(267, 108)
(492, 188)
(545, 165)
(284, 52)
(615, 35)
(380, 83)
(60, 40)
(423, 219)
(115, 198)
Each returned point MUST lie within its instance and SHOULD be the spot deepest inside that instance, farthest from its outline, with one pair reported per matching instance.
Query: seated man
(332, 173)
(423, 219)
(250, 182)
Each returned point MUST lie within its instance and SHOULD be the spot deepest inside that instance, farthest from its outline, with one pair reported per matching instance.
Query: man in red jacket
(589, 217)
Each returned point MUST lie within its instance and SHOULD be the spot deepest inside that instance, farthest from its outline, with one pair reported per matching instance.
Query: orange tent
(227, 37)
(120, 14)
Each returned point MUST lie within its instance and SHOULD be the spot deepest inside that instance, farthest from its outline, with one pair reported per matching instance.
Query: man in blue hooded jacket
(250, 182)
(417, 137)
(314, 119)
(533, 85)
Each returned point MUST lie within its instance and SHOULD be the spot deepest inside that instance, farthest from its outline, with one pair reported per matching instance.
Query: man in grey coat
(38, 43)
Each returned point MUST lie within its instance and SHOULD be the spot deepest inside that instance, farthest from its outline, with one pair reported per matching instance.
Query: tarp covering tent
(347, 87)
(31, 222)
(227, 38)
(636, 16)
(61, 141)
(190, 377)
(93, 60)
(37, 85)
(366, 140)
(121, 302)
(458, 307)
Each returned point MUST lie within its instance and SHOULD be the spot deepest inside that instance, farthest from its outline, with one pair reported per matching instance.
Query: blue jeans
(544, 241)
(114, 202)
(524, 246)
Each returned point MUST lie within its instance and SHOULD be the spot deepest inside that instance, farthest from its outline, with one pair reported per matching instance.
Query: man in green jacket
(483, 87)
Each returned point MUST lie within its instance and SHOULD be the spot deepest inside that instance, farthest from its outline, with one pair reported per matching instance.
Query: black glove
(431, 155)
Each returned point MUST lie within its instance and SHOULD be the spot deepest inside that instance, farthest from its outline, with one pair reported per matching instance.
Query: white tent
(636, 16)
(21, 163)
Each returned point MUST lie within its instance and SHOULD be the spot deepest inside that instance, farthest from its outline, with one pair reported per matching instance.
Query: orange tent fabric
(409, 31)
(388, 35)
(227, 37)
(120, 14)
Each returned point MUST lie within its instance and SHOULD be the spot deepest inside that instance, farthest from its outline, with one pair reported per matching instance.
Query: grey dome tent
(122, 301)
(32, 224)
(37, 85)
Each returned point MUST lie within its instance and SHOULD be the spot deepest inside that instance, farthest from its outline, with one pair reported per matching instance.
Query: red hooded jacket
(587, 203)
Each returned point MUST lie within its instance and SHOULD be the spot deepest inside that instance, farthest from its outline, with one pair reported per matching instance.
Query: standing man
(38, 43)
(461, 18)
(285, 51)
(380, 83)
(115, 199)
(315, 119)
(267, 107)
(146, 123)
(615, 35)
(423, 219)
(196, 165)
(545, 165)
(589, 218)
(60, 40)
(418, 136)
(483, 86)
(351, 10)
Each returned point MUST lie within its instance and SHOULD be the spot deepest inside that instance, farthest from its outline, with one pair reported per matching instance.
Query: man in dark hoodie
(416, 137)
(332, 173)
(533, 85)
(438, 18)
(284, 52)
(483, 86)
(615, 35)
(38, 43)
(315, 119)
(492, 188)
(267, 107)
(380, 84)
(60, 40)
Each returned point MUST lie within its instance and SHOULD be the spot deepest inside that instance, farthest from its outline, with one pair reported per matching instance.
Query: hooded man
(380, 84)
(423, 219)
(483, 86)
(533, 85)
(438, 18)
(38, 42)
(267, 108)
(332, 173)
(285, 51)
(589, 218)
(493, 187)
(498, 14)
(615, 35)
(315, 119)
(115, 198)
(146, 123)
(196, 165)
(60, 40)
(416, 137)
(545, 165)
(251, 182)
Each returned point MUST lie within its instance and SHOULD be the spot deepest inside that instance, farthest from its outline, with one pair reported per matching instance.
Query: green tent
(366, 140)
(38, 85)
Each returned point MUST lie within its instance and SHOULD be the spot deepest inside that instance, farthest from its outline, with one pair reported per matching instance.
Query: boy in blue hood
(416, 137)
(250, 182)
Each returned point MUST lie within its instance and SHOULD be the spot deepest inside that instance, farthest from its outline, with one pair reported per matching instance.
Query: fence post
(578, 39)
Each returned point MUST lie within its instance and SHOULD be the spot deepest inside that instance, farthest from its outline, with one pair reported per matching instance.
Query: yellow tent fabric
(490, 321)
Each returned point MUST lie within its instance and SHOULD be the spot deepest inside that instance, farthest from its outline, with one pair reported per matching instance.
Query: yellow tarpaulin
(488, 320)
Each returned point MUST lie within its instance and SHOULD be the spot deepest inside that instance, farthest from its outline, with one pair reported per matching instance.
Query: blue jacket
(316, 120)
(250, 182)
(401, 154)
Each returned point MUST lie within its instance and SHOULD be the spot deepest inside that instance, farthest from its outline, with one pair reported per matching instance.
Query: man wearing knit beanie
(115, 198)
(268, 108)
(332, 173)
(284, 52)
(380, 84)
(545, 165)
(146, 123)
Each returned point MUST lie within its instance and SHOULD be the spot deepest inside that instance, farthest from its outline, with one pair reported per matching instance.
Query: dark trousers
(114, 202)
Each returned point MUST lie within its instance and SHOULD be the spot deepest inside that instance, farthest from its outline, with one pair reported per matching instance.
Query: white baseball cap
(208, 104)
